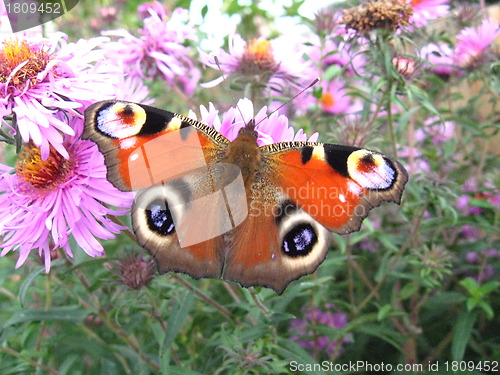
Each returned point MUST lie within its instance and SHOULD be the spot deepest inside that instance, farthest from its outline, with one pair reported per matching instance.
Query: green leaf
(175, 370)
(383, 312)
(290, 350)
(73, 314)
(487, 309)
(409, 290)
(331, 72)
(178, 314)
(204, 11)
(26, 284)
(463, 330)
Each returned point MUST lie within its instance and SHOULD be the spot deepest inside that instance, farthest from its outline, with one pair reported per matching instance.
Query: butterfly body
(208, 207)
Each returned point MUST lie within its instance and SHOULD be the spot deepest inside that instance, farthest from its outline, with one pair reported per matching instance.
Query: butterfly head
(249, 130)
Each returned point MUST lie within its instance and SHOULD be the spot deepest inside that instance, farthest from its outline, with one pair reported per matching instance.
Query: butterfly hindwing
(275, 245)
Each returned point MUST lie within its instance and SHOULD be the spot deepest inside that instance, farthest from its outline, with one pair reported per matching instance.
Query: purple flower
(473, 42)
(334, 98)
(133, 90)
(472, 257)
(45, 202)
(276, 63)
(483, 270)
(470, 232)
(305, 336)
(417, 163)
(270, 129)
(440, 58)
(490, 253)
(149, 8)
(159, 52)
(427, 10)
(487, 192)
(437, 130)
(41, 79)
(339, 53)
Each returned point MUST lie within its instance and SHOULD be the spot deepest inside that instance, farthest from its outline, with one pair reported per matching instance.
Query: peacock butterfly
(209, 207)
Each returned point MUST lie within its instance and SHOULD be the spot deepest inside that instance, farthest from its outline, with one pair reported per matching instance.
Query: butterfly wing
(144, 146)
(304, 191)
(275, 245)
(174, 160)
(337, 185)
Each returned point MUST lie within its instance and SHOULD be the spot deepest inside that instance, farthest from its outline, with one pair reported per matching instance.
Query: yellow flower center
(260, 49)
(258, 58)
(20, 63)
(43, 175)
(416, 3)
(327, 100)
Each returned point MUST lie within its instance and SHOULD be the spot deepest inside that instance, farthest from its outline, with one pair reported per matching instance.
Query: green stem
(130, 340)
(395, 261)
(390, 120)
(30, 361)
(204, 296)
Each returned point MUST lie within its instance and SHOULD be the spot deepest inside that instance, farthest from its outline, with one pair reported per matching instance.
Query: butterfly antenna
(228, 88)
(316, 80)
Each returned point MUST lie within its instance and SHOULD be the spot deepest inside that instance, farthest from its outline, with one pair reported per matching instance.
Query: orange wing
(144, 146)
(305, 190)
(337, 185)
(174, 160)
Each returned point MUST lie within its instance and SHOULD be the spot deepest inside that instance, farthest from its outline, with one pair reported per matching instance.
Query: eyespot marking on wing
(120, 120)
(371, 170)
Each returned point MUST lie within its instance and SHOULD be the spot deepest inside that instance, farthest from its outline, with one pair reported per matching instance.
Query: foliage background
(413, 298)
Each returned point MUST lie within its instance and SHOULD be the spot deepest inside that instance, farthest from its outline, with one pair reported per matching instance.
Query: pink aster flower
(147, 9)
(439, 57)
(39, 79)
(417, 163)
(345, 55)
(427, 10)
(133, 90)
(4, 20)
(473, 43)
(436, 130)
(270, 129)
(276, 63)
(159, 52)
(45, 202)
(334, 98)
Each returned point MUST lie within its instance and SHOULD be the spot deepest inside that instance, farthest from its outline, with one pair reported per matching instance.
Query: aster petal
(87, 242)
(23, 255)
(213, 82)
(314, 137)
(46, 253)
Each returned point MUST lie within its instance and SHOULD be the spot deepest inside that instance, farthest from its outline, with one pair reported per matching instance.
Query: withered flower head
(326, 20)
(134, 271)
(381, 14)
(468, 14)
